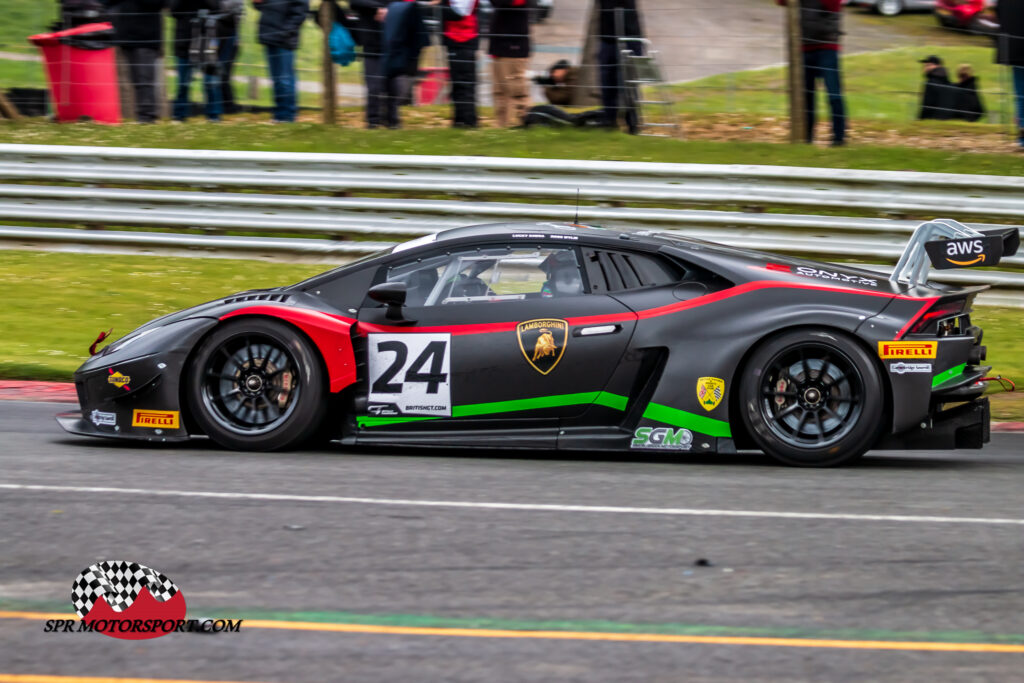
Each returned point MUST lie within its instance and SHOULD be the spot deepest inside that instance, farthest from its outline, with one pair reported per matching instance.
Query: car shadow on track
(201, 447)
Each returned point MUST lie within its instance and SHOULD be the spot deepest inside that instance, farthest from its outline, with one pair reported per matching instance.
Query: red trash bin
(82, 70)
(431, 88)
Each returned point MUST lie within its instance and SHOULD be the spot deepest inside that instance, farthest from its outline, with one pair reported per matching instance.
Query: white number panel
(410, 374)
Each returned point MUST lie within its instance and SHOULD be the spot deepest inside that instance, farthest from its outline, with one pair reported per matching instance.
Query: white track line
(535, 507)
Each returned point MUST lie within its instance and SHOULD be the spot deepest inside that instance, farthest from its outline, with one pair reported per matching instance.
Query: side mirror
(392, 295)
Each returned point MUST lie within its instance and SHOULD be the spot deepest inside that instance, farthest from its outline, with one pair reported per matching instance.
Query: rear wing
(945, 243)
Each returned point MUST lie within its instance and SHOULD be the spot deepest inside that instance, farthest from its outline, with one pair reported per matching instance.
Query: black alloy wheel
(256, 384)
(812, 398)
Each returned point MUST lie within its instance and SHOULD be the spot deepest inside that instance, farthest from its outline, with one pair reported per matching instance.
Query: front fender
(332, 335)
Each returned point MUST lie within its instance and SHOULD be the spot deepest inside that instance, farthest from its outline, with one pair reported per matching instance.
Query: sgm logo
(968, 248)
(662, 437)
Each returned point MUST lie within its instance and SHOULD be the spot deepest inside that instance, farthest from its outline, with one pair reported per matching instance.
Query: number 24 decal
(434, 355)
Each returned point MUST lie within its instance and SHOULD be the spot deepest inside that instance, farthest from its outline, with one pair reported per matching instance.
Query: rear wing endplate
(945, 243)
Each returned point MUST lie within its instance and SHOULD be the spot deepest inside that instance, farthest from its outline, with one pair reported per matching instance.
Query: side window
(613, 271)
(492, 275)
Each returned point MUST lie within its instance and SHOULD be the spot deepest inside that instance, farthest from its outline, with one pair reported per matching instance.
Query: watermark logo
(131, 601)
(127, 600)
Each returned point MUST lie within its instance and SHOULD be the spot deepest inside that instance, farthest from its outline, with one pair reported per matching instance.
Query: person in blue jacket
(280, 21)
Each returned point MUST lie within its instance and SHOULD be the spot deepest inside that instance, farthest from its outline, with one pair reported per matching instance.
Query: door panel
(519, 360)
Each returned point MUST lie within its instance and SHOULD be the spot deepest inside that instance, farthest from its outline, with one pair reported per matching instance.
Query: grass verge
(879, 86)
(57, 303)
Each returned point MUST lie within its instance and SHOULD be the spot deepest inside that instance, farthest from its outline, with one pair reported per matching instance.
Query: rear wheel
(812, 398)
(256, 385)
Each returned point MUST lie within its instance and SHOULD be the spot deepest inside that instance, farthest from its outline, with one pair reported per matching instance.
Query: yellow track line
(598, 636)
(39, 678)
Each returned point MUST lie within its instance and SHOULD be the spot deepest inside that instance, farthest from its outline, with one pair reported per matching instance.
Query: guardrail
(344, 218)
(882, 191)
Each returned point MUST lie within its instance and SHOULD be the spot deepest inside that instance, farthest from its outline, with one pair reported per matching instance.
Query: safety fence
(716, 51)
(90, 188)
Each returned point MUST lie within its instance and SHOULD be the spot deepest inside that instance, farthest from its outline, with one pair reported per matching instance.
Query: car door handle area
(595, 330)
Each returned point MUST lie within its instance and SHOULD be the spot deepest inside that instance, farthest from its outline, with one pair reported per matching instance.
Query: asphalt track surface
(398, 566)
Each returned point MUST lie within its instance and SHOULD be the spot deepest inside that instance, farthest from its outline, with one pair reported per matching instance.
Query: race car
(565, 336)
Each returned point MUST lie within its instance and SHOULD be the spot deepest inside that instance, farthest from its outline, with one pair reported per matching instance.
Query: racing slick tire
(812, 398)
(256, 384)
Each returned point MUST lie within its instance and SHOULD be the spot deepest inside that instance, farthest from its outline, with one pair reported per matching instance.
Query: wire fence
(725, 65)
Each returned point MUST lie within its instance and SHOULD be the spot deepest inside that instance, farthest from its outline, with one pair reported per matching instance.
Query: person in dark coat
(280, 22)
(1010, 51)
(967, 102)
(382, 93)
(461, 30)
(510, 52)
(820, 32)
(616, 19)
(231, 13)
(139, 32)
(938, 99)
(191, 33)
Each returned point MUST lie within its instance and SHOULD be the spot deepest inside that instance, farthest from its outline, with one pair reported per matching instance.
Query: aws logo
(965, 250)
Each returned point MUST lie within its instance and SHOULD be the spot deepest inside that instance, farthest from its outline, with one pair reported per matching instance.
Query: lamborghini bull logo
(545, 346)
(543, 342)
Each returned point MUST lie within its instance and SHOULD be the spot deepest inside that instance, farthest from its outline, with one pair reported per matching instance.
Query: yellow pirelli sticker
(155, 419)
(907, 349)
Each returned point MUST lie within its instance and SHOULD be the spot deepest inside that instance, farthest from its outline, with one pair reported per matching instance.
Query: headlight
(121, 343)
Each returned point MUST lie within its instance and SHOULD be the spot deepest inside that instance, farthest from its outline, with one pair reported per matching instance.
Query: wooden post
(797, 125)
(330, 88)
(7, 108)
(127, 92)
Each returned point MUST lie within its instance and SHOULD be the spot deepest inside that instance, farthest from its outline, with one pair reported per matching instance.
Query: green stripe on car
(654, 411)
(601, 398)
(948, 375)
(691, 421)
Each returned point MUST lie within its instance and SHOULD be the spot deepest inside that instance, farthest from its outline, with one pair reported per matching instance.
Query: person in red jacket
(462, 38)
(820, 29)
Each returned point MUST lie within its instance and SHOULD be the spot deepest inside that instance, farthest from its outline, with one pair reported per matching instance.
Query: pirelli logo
(907, 349)
(155, 419)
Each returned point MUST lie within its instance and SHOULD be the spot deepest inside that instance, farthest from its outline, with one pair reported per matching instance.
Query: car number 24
(410, 374)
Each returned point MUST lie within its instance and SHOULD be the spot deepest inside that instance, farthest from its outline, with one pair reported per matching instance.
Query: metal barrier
(840, 237)
(882, 191)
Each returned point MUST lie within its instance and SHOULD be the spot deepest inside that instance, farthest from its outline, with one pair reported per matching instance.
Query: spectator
(967, 102)
(139, 32)
(381, 91)
(510, 52)
(616, 19)
(191, 36)
(820, 29)
(232, 12)
(560, 83)
(461, 38)
(1010, 51)
(937, 98)
(280, 22)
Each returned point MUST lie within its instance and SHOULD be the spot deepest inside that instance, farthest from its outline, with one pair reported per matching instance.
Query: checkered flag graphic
(119, 583)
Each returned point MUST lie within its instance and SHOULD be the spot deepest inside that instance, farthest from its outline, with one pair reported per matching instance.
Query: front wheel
(256, 385)
(812, 398)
